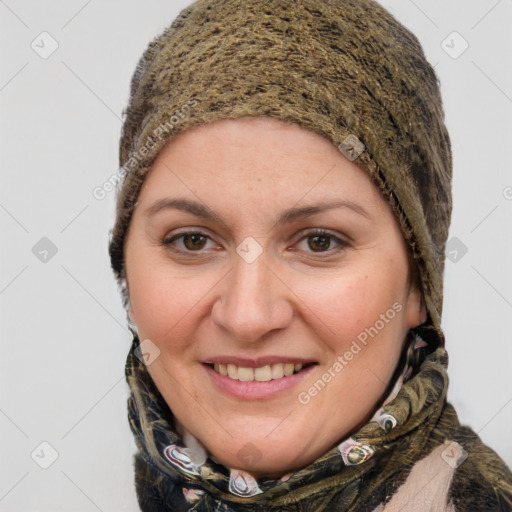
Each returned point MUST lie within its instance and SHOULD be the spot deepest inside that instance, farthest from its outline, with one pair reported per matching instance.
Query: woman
(279, 245)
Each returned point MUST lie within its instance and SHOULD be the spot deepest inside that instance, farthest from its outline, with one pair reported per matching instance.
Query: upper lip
(256, 363)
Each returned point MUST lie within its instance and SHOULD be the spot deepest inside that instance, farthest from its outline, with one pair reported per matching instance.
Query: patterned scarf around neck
(175, 472)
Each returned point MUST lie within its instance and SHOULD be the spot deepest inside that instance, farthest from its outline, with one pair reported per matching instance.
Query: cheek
(343, 305)
(166, 304)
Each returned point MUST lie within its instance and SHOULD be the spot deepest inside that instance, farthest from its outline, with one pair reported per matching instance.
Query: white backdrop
(64, 80)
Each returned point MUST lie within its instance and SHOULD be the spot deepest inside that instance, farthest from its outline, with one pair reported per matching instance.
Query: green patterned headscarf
(350, 72)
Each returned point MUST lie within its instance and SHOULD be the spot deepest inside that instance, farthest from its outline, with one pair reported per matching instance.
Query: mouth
(264, 373)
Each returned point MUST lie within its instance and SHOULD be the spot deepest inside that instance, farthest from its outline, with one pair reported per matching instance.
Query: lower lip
(256, 390)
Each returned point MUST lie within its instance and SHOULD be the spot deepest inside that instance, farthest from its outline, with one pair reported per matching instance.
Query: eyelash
(309, 234)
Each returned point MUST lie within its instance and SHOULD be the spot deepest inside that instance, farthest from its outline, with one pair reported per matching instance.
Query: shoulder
(459, 474)
(482, 481)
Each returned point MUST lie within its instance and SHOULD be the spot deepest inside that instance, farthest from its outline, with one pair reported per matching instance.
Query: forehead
(263, 156)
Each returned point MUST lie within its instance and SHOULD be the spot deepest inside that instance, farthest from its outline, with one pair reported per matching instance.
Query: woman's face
(256, 243)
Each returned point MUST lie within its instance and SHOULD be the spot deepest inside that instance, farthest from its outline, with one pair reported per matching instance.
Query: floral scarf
(376, 469)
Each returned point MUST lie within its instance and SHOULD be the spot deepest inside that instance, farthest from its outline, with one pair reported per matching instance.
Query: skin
(303, 296)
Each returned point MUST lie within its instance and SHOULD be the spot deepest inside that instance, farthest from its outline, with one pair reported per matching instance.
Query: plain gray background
(64, 338)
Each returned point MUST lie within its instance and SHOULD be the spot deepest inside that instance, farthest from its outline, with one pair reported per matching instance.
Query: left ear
(415, 310)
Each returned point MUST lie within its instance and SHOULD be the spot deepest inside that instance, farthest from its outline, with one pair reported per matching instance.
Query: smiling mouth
(260, 374)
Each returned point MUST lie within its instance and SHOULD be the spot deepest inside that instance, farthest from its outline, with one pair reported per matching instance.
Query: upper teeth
(263, 373)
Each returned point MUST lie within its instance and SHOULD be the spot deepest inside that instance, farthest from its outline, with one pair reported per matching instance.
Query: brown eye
(321, 241)
(191, 241)
(194, 241)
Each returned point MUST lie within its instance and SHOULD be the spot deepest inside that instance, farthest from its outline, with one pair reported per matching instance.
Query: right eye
(192, 241)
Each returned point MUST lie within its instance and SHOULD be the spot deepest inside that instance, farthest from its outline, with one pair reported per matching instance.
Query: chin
(259, 464)
(264, 457)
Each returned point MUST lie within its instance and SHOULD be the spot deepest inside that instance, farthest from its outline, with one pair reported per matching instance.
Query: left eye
(320, 240)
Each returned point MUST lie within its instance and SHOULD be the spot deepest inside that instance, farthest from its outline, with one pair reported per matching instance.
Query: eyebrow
(286, 217)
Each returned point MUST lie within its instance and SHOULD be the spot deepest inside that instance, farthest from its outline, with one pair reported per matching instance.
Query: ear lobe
(416, 313)
(131, 314)
(132, 326)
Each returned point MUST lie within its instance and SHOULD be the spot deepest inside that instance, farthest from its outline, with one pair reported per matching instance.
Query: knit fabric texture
(344, 69)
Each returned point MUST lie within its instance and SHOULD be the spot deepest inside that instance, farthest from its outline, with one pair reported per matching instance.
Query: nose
(253, 302)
